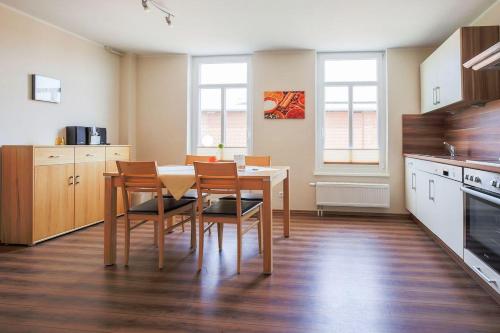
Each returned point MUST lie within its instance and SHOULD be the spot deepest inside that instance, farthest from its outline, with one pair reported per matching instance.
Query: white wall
(162, 104)
(128, 102)
(89, 76)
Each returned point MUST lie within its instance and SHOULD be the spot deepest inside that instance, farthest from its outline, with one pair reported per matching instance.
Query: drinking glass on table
(240, 162)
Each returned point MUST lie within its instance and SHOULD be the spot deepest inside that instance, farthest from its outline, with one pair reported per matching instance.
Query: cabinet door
(89, 193)
(54, 201)
(411, 186)
(428, 84)
(111, 167)
(449, 68)
(450, 214)
(426, 204)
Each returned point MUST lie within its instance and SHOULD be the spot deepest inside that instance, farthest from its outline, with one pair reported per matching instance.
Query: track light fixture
(168, 14)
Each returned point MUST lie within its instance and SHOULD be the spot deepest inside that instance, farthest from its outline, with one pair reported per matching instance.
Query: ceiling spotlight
(169, 15)
(168, 19)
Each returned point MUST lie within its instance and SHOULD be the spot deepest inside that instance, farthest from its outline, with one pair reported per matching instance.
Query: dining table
(177, 179)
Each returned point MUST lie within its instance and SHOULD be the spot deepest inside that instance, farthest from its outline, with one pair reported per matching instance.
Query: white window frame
(376, 170)
(196, 62)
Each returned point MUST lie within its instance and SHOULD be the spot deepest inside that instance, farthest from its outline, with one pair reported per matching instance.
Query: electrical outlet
(281, 194)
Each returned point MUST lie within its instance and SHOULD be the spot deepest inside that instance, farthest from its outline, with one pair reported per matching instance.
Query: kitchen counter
(457, 160)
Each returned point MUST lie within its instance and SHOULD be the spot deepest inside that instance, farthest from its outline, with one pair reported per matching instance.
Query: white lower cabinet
(437, 201)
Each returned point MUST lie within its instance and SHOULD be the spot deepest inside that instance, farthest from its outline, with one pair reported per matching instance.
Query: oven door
(482, 226)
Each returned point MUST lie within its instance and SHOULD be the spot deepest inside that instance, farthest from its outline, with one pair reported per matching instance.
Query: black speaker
(75, 135)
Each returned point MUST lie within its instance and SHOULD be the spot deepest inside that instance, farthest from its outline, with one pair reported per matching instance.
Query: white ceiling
(203, 27)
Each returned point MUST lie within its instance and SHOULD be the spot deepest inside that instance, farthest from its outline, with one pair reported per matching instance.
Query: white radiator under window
(352, 195)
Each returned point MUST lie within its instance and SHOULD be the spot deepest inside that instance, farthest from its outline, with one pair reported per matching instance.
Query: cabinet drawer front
(117, 153)
(49, 156)
(90, 154)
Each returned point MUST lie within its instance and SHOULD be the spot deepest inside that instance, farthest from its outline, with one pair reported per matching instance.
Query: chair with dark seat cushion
(222, 178)
(262, 161)
(142, 177)
(228, 208)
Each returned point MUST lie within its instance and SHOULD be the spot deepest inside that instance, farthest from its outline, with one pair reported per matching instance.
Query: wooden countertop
(458, 161)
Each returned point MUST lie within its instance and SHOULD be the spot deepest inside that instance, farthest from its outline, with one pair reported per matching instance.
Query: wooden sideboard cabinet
(51, 190)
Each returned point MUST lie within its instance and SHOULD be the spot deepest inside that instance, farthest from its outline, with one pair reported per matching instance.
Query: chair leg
(161, 243)
(193, 227)
(220, 232)
(201, 235)
(155, 241)
(182, 226)
(170, 222)
(239, 241)
(259, 230)
(127, 240)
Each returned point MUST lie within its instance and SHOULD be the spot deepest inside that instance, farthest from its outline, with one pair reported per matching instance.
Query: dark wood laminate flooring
(335, 274)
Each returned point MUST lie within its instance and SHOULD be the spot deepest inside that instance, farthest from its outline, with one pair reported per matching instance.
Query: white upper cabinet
(446, 85)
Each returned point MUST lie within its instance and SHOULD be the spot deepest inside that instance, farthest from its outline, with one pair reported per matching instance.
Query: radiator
(351, 195)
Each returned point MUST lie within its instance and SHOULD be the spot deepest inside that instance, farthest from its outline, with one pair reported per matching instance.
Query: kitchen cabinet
(436, 200)
(411, 185)
(50, 190)
(446, 85)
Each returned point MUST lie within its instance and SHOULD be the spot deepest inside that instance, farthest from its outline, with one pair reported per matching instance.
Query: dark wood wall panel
(423, 134)
(476, 131)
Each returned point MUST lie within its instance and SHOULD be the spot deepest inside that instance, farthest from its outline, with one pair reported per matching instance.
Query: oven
(482, 225)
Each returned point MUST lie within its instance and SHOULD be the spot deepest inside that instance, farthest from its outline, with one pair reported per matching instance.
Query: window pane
(364, 94)
(337, 130)
(223, 73)
(345, 70)
(236, 99)
(210, 99)
(336, 106)
(236, 129)
(364, 130)
(210, 128)
(336, 94)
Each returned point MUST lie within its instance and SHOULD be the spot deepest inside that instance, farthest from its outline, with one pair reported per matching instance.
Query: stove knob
(494, 183)
(477, 179)
(466, 177)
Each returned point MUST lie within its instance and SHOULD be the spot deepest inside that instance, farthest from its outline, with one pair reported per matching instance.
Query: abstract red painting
(284, 104)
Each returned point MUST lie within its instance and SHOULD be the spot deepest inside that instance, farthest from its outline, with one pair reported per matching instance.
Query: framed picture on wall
(284, 105)
(45, 89)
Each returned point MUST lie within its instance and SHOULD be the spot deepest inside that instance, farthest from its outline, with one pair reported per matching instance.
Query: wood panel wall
(424, 134)
(475, 132)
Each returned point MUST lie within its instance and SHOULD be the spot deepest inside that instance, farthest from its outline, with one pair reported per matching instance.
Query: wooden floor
(334, 275)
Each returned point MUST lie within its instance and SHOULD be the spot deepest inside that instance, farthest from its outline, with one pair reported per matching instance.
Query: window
(351, 116)
(220, 109)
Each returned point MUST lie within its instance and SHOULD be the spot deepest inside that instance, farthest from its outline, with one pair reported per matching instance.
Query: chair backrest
(190, 159)
(139, 177)
(263, 161)
(217, 178)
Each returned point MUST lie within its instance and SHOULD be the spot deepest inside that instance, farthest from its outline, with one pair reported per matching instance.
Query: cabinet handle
(117, 154)
(55, 156)
(438, 95)
(413, 182)
(434, 96)
(484, 276)
(70, 180)
(431, 181)
(77, 180)
(90, 155)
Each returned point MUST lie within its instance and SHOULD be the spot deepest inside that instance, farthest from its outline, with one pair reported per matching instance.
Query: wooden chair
(190, 159)
(192, 193)
(222, 178)
(262, 161)
(142, 177)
